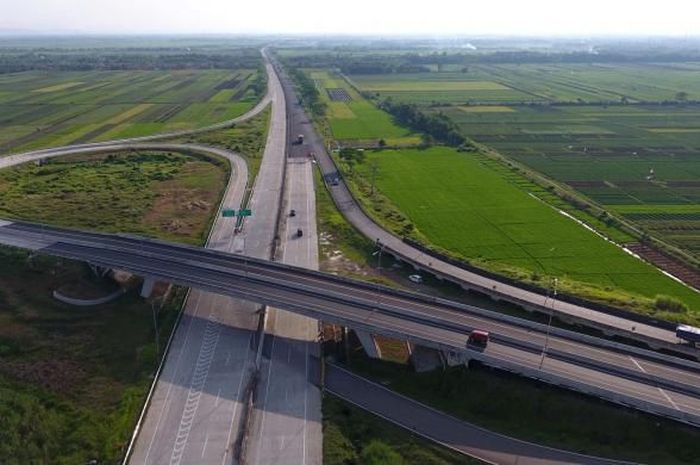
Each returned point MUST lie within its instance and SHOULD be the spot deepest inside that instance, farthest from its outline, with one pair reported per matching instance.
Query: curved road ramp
(444, 429)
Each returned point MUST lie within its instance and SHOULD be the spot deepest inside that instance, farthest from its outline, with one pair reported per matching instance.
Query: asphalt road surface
(447, 430)
(624, 374)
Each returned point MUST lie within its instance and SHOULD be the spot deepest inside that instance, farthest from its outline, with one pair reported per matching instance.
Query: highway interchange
(197, 407)
(659, 383)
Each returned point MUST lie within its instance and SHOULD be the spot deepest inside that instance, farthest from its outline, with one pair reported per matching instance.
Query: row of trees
(436, 125)
(415, 62)
(309, 93)
(98, 60)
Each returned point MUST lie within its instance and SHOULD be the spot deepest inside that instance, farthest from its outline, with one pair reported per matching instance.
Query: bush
(378, 453)
(670, 304)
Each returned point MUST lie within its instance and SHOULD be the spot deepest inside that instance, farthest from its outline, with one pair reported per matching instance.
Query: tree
(379, 453)
(682, 96)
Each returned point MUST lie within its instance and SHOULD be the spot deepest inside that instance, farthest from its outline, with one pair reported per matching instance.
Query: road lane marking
(166, 402)
(210, 340)
(236, 401)
(306, 395)
(668, 398)
(218, 395)
(267, 391)
(638, 365)
(204, 448)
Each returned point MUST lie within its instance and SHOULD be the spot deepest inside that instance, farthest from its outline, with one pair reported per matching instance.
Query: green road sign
(228, 212)
(244, 212)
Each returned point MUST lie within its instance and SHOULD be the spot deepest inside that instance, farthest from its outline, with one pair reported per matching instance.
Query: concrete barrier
(88, 302)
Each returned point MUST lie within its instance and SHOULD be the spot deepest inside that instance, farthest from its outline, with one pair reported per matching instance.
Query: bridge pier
(453, 358)
(147, 287)
(99, 271)
(369, 344)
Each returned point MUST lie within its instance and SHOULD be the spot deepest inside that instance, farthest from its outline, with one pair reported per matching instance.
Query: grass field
(356, 120)
(72, 382)
(539, 82)
(461, 204)
(159, 194)
(46, 109)
(615, 155)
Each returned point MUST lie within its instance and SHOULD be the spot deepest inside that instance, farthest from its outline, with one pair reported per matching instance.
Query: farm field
(461, 204)
(537, 82)
(642, 162)
(39, 109)
(352, 118)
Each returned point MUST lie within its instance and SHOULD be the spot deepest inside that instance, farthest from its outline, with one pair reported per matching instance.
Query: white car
(416, 278)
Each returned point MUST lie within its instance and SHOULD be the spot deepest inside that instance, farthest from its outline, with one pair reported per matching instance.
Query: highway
(469, 280)
(214, 393)
(197, 405)
(623, 374)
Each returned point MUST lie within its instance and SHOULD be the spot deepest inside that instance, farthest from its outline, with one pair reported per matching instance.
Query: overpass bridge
(642, 379)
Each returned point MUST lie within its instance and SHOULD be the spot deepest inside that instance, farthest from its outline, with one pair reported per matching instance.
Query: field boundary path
(445, 429)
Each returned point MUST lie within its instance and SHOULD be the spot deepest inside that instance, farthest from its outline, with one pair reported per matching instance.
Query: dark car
(292, 212)
(300, 233)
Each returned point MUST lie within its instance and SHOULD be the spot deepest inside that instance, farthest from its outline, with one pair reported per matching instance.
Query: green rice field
(461, 204)
(39, 109)
(640, 161)
(357, 119)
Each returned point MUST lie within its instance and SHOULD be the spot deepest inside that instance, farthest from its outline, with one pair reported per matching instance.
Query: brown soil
(58, 376)
(678, 269)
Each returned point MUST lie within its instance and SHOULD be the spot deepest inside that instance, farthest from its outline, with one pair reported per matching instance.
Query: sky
(375, 17)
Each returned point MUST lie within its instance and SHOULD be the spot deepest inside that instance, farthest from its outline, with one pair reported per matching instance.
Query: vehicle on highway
(300, 139)
(300, 232)
(292, 212)
(416, 278)
(311, 155)
(478, 339)
(688, 333)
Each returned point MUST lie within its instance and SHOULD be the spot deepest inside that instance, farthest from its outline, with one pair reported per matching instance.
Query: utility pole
(549, 324)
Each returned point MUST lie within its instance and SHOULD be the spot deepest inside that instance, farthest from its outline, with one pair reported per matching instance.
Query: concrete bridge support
(147, 287)
(453, 358)
(369, 344)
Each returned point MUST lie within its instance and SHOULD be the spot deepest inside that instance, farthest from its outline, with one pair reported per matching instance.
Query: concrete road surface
(192, 417)
(287, 423)
(195, 413)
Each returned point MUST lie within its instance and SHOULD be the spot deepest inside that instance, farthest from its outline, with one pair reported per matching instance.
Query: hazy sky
(522, 17)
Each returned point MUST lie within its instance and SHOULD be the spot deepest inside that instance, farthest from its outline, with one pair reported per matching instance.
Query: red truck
(478, 339)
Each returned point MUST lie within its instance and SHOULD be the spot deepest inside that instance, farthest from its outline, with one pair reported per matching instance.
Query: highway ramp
(445, 429)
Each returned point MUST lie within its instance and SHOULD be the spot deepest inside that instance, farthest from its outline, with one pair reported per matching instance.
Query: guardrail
(224, 286)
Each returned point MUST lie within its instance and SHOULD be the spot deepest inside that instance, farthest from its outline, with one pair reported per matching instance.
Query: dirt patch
(339, 95)
(669, 264)
(58, 376)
